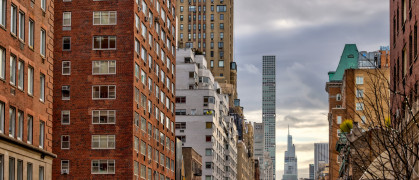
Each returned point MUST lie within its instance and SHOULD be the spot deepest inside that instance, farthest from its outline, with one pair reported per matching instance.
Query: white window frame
(65, 87)
(107, 116)
(101, 15)
(62, 141)
(68, 14)
(64, 67)
(12, 69)
(359, 80)
(13, 19)
(30, 80)
(339, 119)
(43, 5)
(21, 75)
(3, 5)
(31, 31)
(338, 97)
(359, 106)
(12, 121)
(65, 168)
(2, 116)
(20, 120)
(42, 46)
(42, 87)
(99, 92)
(2, 63)
(30, 129)
(101, 39)
(41, 134)
(359, 93)
(22, 26)
(69, 39)
(108, 161)
(100, 63)
(108, 138)
(63, 112)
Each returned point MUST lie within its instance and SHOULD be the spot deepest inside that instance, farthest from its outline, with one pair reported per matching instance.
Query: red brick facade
(404, 72)
(13, 95)
(82, 81)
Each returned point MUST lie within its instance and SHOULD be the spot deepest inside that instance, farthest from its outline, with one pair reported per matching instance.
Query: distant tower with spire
(290, 165)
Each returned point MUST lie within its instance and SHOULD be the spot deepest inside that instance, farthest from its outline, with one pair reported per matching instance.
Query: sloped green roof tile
(348, 60)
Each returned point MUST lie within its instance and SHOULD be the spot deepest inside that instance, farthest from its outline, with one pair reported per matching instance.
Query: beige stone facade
(27, 160)
(245, 160)
(207, 26)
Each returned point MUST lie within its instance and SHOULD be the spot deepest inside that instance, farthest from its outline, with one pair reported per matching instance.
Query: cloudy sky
(307, 37)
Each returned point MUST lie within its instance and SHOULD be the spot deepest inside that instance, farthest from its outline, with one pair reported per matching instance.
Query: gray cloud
(307, 37)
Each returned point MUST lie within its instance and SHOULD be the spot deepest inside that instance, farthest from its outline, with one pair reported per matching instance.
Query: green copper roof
(348, 60)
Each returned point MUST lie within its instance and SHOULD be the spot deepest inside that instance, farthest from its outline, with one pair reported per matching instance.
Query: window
(104, 18)
(339, 119)
(103, 141)
(137, 71)
(20, 125)
(220, 63)
(65, 142)
(136, 143)
(42, 87)
(66, 67)
(143, 147)
(19, 169)
(103, 116)
(3, 5)
(65, 117)
(11, 168)
(181, 99)
(208, 152)
(180, 111)
(208, 125)
(66, 19)
(208, 138)
(12, 69)
(13, 25)
(2, 117)
(104, 92)
(22, 26)
(104, 42)
(31, 33)
(208, 99)
(221, 25)
(136, 119)
(41, 173)
(41, 134)
(359, 80)
(104, 67)
(208, 165)
(30, 171)
(65, 92)
(43, 4)
(363, 119)
(221, 8)
(136, 169)
(2, 63)
(359, 93)
(359, 106)
(143, 30)
(30, 129)
(65, 166)
(180, 125)
(12, 121)
(103, 166)
(30, 80)
(66, 43)
(20, 70)
(43, 40)
(143, 171)
(221, 16)
(338, 97)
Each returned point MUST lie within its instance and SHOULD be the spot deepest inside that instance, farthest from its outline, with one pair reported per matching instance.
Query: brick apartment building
(26, 60)
(404, 54)
(351, 91)
(115, 89)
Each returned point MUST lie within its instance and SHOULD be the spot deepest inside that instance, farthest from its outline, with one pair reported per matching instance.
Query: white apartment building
(202, 117)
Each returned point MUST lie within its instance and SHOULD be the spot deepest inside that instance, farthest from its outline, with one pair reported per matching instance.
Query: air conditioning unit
(146, 19)
(139, 9)
(156, 19)
(64, 171)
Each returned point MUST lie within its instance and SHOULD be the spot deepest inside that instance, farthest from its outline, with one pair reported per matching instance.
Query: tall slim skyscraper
(269, 104)
(290, 163)
(321, 155)
(114, 97)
